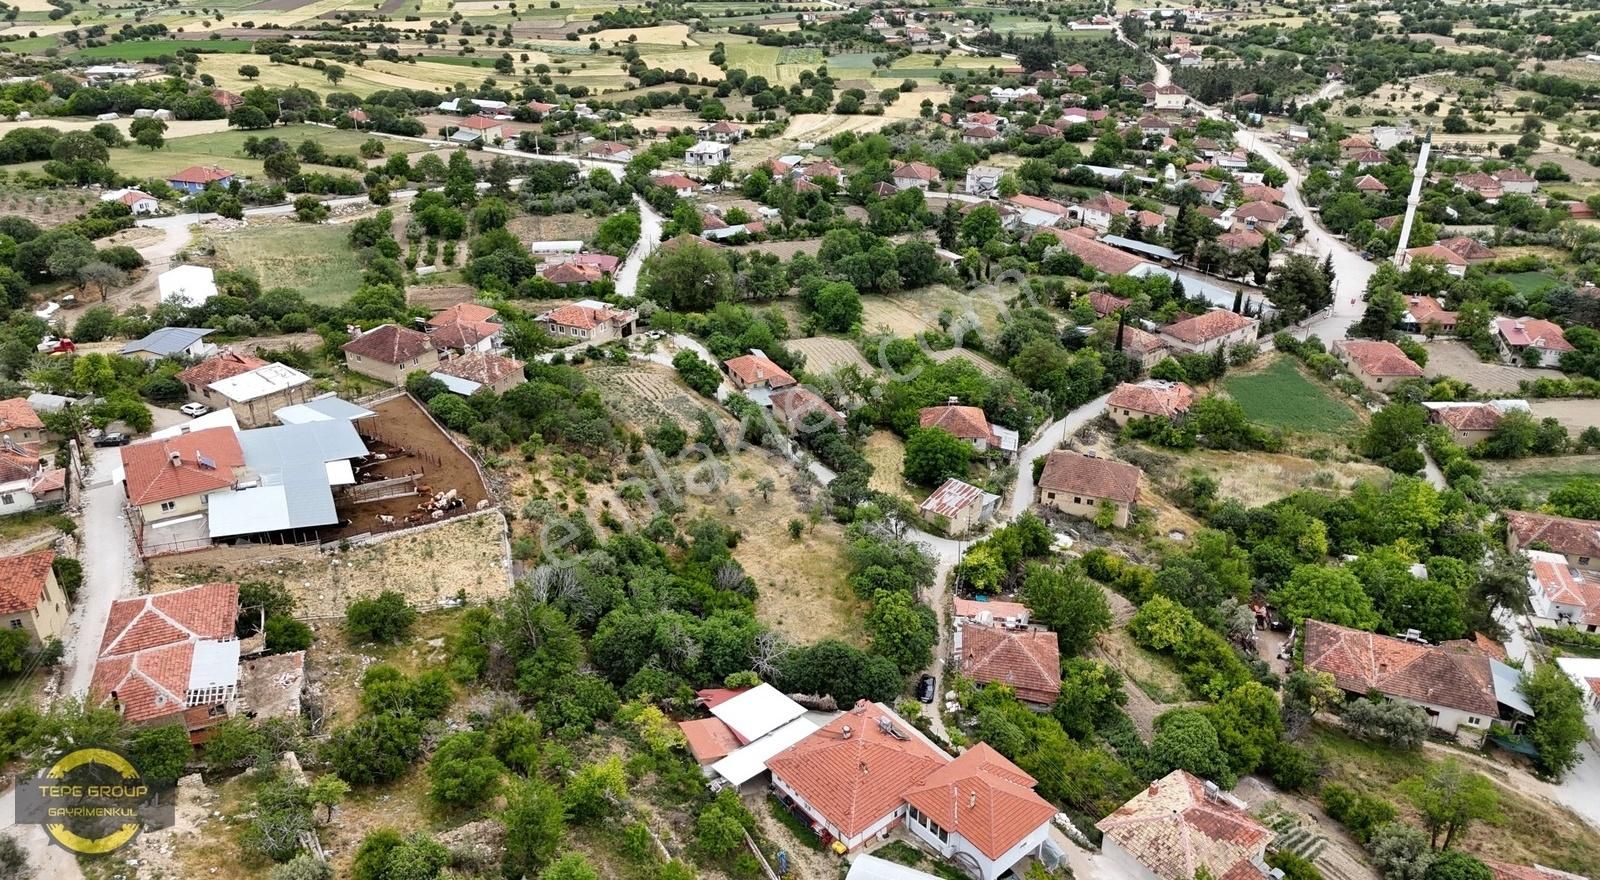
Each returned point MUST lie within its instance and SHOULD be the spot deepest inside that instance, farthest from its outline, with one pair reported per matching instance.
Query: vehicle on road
(114, 438)
(194, 409)
(927, 687)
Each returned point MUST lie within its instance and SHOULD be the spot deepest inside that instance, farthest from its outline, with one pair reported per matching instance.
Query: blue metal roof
(1140, 247)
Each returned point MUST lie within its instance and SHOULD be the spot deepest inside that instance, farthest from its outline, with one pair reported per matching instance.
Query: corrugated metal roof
(294, 492)
(744, 764)
(167, 340)
(757, 712)
(873, 868)
(322, 409)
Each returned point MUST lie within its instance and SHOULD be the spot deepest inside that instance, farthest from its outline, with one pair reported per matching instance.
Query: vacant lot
(1539, 476)
(1576, 415)
(1456, 360)
(984, 365)
(315, 260)
(1259, 478)
(887, 454)
(1280, 396)
(881, 313)
(1528, 283)
(824, 354)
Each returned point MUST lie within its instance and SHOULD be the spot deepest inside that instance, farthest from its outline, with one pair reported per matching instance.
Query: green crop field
(1529, 282)
(315, 260)
(1282, 397)
(1551, 473)
(134, 50)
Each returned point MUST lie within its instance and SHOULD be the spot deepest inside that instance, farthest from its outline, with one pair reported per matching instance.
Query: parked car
(194, 409)
(114, 438)
(927, 688)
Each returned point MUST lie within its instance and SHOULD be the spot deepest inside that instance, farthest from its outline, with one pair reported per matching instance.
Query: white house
(140, 203)
(1562, 594)
(983, 180)
(1170, 97)
(708, 153)
(1585, 673)
(187, 286)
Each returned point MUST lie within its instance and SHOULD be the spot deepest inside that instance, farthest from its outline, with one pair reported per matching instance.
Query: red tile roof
(485, 369)
(571, 273)
(471, 313)
(1466, 417)
(1368, 183)
(148, 648)
(1107, 203)
(223, 366)
(480, 123)
(152, 475)
(970, 608)
(1564, 585)
(1539, 333)
(1426, 310)
(1240, 240)
(983, 797)
(201, 174)
(1038, 204)
(674, 181)
(1468, 249)
(1378, 358)
(1078, 474)
(1261, 212)
(1155, 398)
(1361, 662)
(856, 781)
(798, 402)
(17, 415)
(390, 344)
(1174, 828)
(1570, 537)
(965, 422)
(22, 580)
(1435, 252)
(752, 369)
(1137, 341)
(709, 739)
(580, 316)
(916, 171)
(1096, 255)
(1027, 661)
(1204, 328)
(1106, 304)
(981, 132)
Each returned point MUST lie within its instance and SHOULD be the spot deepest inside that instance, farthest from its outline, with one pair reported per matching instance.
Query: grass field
(135, 50)
(1280, 396)
(226, 148)
(315, 260)
(1527, 283)
(1539, 477)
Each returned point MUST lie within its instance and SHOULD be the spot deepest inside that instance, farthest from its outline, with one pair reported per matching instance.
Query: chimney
(1155, 788)
(174, 458)
(845, 731)
(972, 800)
(952, 400)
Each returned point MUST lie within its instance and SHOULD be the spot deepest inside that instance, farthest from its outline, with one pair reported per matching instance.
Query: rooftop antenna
(1413, 200)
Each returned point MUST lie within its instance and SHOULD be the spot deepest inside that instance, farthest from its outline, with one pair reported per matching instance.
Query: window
(1050, 496)
(1583, 560)
(168, 505)
(1077, 499)
(7, 498)
(1472, 719)
(16, 623)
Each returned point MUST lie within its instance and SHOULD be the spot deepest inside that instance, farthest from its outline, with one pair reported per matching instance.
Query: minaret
(1414, 199)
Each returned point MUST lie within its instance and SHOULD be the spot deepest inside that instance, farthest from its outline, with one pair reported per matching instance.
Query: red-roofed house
(166, 480)
(678, 183)
(1378, 364)
(1469, 249)
(1425, 314)
(1152, 399)
(756, 371)
(476, 370)
(1205, 333)
(803, 411)
(1077, 484)
(1576, 539)
(30, 598)
(915, 175)
(19, 423)
(967, 423)
(1099, 211)
(868, 771)
(1469, 423)
(608, 151)
(166, 654)
(1097, 255)
(1518, 336)
(957, 507)
(198, 378)
(1027, 661)
(1366, 183)
(485, 127)
(195, 178)
(1142, 345)
(467, 327)
(1562, 595)
(389, 352)
(1453, 262)
(590, 321)
(1181, 825)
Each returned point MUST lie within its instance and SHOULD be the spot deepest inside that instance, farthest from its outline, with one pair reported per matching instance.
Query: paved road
(107, 570)
(649, 240)
(1049, 439)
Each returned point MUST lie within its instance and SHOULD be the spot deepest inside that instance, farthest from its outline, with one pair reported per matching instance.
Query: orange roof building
(30, 598)
(1377, 363)
(756, 370)
(165, 654)
(1077, 484)
(1152, 398)
(1205, 333)
(1026, 660)
(178, 471)
(1576, 539)
(1181, 824)
(868, 771)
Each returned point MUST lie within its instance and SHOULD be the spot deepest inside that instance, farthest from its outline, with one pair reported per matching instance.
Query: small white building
(984, 180)
(139, 203)
(188, 286)
(708, 153)
(1562, 595)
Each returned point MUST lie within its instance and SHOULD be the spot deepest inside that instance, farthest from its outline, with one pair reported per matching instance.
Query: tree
(160, 753)
(981, 226)
(285, 634)
(1400, 852)
(334, 73)
(934, 455)
(535, 821)
(1450, 798)
(328, 791)
(696, 373)
(462, 773)
(902, 629)
(837, 306)
(79, 146)
(1069, 603)
(281, 166)
(687, 277)
(1392, 436)
(69, 255)
(249, 71)
(1578, 498)
(597, 791)
(1558, 724)
(1457, 865)
(1185, 740)
(150, 132)
(1331, 595)
(1392, 722)
(1091, 695)
(376, 748)
(571, 866)
(1248, 724)
(386, 618)
(102, 276)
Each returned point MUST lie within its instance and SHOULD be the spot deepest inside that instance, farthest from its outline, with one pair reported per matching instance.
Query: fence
(229, 554)
(380, 490)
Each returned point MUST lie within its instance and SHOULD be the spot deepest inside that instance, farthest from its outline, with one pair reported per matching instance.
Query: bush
(696, 373)
(385, 619)
(285, 634)
(1360, 814)
(302, 867)
(1396, 724)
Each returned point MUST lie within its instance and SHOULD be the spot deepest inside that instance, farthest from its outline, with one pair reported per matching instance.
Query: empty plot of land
(1259, 478)
(1540, 476)
(1575, 415)
(824, 354)
(984, 365)
(1280, 396)
(1457, 361)
(315, 260)
(879, 313)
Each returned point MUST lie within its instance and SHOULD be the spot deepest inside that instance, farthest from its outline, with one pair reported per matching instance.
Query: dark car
(115, 438)
(926, 688)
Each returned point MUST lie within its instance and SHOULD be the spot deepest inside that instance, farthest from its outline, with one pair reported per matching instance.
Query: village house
(1469, 249)
(1366, 183)
(915, 175)
(171, 657)
(868, 771)
(957, 508)
(1078, 484)
(1141, 345)
(1037, 212)
(27, 479)
(1098, 256)
(254, 395)
(1576, 539)
(1378, 364)
(980, 135)
(983, 180)
(1562, 595)
(722, 132)
(19, 423)
(389, 352)
(196, 177)
(138, 202)
(608, 151)
(1468, 423)
(1204, 334)
(1099, 211)
(1426, 315)
(1481, 184)
(166, 481)
(1368, 158)
(1261, 215)
(1150, 399)
(1181, 825)
(683, 186)
(707, 153)
(467, 327)
(197, 379)
(756, 375)
(1515, 180)
(1170, 97)
(1452, 261)
(466, 374)
(484, 127)
(1462, 690)
(802, 411)
(590, 321)
(1517, 337)
(187, 343)
(746, 728)
(31, 599)
(970, 424)
(1262, 193)
(1026, 660)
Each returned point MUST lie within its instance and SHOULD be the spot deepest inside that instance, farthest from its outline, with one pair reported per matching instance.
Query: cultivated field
(315, 260)
(1456, 360)
(1280, 396)
(1539, 476)
(824, 354)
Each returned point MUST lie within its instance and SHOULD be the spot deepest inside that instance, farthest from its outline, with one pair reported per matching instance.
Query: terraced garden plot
(824, 354)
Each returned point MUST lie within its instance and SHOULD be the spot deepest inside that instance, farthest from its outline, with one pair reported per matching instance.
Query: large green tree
(1449, 798)
(1068, 602)
(934, 455)
(686, 276)
(1558, 724)
(1325, 593)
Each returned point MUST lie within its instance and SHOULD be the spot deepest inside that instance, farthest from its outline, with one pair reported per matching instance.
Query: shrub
(386, 618)
(1399, 725)
(285, 634)
(1360, 813)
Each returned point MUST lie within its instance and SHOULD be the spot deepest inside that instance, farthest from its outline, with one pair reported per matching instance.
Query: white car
(193, 410)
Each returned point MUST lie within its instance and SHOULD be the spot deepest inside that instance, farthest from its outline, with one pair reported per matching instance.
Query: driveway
(1049, 439)
(107, 570)
(649, 240)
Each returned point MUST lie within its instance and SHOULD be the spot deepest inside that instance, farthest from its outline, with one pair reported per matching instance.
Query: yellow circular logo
(100, 803)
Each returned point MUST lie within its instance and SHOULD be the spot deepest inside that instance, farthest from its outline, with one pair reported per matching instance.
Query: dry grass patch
(555, 227)
(824, 354)
(887, 453)
(1258, 478)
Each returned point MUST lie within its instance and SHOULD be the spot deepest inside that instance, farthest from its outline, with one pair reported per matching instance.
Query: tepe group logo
(93, 802)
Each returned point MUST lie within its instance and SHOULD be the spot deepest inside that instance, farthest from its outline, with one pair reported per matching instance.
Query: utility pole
(1413, 200)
